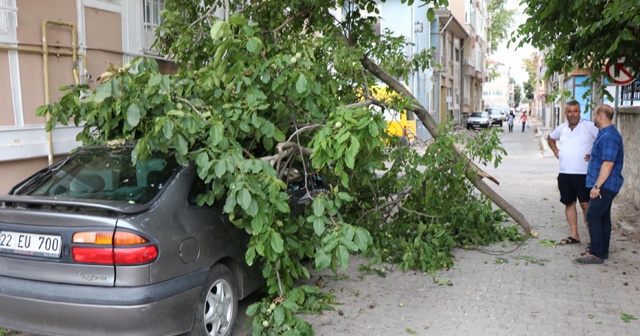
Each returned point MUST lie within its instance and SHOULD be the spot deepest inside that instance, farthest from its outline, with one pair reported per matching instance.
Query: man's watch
(596, 186)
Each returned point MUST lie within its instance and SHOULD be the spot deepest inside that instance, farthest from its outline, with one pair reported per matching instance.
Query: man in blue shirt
(604, 178)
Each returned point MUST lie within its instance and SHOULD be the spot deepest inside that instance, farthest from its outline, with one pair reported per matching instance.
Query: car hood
(14, 201)
(478, 119)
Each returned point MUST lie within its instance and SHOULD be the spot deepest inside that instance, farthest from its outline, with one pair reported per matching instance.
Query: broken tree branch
(432, 126)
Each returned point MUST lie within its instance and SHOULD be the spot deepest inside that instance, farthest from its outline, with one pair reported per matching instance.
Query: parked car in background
(96, 245)
(479, 119)
(498, 116)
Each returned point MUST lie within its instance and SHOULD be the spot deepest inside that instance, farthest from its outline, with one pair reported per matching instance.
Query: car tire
(217, 306)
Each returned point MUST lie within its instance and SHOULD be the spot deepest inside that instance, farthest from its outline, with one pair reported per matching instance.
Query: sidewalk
(533, 289)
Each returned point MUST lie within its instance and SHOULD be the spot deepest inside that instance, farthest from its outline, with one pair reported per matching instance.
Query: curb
(542, 136)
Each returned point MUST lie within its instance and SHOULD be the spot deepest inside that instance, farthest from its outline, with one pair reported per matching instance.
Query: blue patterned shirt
(607, 147)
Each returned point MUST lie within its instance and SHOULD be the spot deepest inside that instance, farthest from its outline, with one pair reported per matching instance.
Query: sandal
(570, 240)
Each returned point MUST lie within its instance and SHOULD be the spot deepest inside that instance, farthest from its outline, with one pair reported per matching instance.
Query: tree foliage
(281, 84)
(582, 34)
(501, 22)
(517, 92)
(529, 65)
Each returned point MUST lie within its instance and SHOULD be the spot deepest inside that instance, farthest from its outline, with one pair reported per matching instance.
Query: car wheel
(217, 306)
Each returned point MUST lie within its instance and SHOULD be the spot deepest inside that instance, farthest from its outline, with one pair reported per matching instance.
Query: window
(8, 21)
(103, 174)
(152, 20)
(467, 87)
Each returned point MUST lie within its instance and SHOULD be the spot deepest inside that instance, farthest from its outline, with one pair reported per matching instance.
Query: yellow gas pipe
(45, 61)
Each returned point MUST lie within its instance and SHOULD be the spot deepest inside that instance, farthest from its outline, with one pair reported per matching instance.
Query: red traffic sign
(619, 73)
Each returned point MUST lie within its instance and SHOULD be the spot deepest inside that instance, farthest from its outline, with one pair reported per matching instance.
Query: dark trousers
(523, 125)
(599, 221)
(510, 127)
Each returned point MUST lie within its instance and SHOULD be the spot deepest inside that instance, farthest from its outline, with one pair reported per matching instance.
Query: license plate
(31, 244)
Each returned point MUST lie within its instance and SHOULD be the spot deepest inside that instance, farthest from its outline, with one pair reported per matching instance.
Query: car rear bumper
(59, 309)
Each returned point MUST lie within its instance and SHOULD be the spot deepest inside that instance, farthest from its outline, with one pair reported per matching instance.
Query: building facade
(461, 52)
(496, 91)
(47, 44)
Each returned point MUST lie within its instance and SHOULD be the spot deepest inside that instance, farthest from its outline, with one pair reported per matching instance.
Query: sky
(511, 56)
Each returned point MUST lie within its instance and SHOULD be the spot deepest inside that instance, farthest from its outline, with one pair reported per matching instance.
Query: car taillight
(106, 248)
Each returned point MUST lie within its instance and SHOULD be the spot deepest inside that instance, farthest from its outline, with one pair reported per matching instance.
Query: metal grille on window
(8, 21)
(152, 20)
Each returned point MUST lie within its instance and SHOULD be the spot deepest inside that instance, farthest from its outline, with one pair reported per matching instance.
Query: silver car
(94, 245)
(479, 119)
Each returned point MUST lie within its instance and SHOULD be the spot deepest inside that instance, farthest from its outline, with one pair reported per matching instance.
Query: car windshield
(479, 114)
(102, 174)
(494, 111)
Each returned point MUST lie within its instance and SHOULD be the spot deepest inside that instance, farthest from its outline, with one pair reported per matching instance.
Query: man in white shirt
(576, 137)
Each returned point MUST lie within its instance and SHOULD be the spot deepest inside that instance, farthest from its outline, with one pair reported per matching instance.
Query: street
(533, 289)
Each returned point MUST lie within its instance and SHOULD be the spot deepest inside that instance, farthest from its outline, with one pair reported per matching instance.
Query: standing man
(604, 178)
(576, 137)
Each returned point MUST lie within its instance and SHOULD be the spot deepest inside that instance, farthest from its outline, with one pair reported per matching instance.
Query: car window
(480, 114)
(103, 174)
(198, 187)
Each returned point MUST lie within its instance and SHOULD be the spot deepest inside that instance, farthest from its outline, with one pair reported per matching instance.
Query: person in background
(576, 137)
(604, 178)
(523, 120)
(510, 118)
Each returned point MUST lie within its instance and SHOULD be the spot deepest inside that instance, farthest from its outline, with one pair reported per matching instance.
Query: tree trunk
(432, 126)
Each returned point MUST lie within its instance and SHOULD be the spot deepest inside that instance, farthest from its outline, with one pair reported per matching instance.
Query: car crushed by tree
(281, 86)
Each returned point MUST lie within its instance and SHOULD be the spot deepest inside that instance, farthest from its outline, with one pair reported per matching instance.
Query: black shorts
(573, 186)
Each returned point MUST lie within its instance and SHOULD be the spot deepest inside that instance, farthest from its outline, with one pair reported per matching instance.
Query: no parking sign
(619, 73)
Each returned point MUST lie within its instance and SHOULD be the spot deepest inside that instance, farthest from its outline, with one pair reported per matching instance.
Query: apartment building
(453, 87)
(46, 44)
(496, 91)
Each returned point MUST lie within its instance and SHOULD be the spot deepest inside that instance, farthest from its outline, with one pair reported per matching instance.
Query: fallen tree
(266, 87)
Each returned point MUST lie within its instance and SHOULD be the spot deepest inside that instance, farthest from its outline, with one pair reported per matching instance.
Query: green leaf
(265, 77)
(318, 226)
(301, 84)
(167, 128)
(133, 115)
(278, 315)
(331, 244)
(253, 308)
(253, 44)
(181, 144)
(362, 238)
(218, 29)
(250, 256)
(257, 224)
(322, 260)
(345, 196)
(277, 243)
(431, 15)
(244, 198)
(220, 168)
(318, 207)
(42, 110)
(282, 206)
(253, 208)
(343, 256)
(373, 130)
(216, 133)
(103, 92)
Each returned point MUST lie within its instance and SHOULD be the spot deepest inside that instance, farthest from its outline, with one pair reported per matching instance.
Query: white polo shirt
(574, 145)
